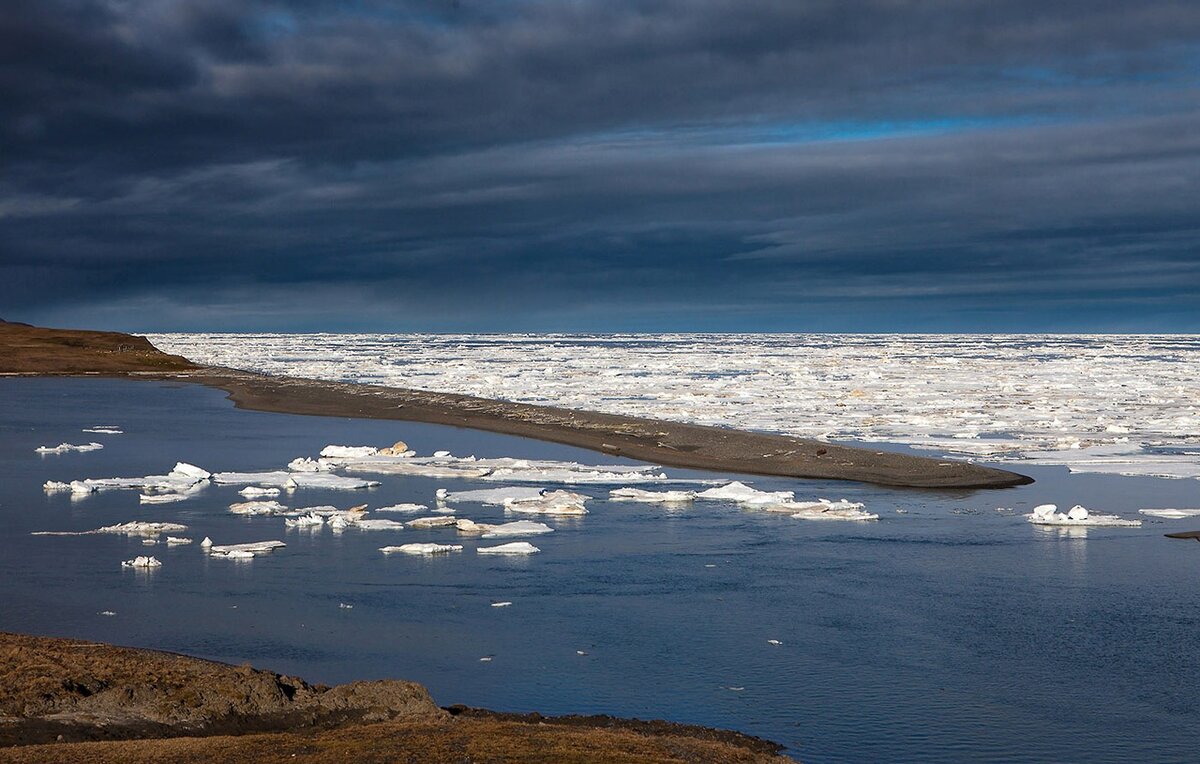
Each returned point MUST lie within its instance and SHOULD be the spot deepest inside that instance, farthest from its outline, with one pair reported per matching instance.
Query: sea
(950, 629)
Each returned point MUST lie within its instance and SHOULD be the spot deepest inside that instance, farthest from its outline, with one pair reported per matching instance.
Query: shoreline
(71, 700)
(32, 351)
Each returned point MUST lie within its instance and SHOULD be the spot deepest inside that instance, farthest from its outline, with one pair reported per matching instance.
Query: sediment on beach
(663, 442)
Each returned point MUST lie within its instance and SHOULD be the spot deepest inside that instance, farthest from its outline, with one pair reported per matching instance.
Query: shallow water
(951, 632)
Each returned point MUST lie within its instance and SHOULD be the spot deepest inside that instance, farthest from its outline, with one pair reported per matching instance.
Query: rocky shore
(69, 700)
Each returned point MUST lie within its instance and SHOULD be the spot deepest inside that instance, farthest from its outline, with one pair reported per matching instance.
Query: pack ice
(1048, 514)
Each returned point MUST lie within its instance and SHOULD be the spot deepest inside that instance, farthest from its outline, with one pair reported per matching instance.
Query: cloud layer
(525, 165)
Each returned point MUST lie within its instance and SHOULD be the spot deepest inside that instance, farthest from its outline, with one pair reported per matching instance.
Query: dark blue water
(950, 633)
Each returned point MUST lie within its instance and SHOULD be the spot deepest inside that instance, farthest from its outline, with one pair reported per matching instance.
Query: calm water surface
(949, 632)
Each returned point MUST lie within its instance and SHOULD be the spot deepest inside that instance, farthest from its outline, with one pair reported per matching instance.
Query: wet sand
(32, 350)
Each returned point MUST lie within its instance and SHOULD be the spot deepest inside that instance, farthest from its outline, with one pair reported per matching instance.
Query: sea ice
(351, 452)
(470, 526)
(177, 541)
(518, 528)
(162, 498)
(515, 547)
(1171, 514)
(304, 464)
(244, 550)
(572, 475)
(652, 497)
(422, 548)
(496, 496)
(104, 430)
(432, 522)
(310, 520)
(254, 492)
(269, 507)
(327, 481)
(402, 508)
(1048, 514)
(63, 448)
(744, 494)
(133, 528)
(550, 503)
(379, 525)
(142, 562)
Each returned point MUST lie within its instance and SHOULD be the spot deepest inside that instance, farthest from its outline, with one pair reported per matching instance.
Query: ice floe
(402, 508)
(432, 522)
(515, 547)
(182, 479)
(741, 493)
(64, 448)
(255, 492)
(426, 549)
(824, 509)
(142, 562)
(293, 480)
(177, 541)
(518, 528)
(305, 464)
(378, 525)
(104, 430)
(496, 496)
(470, 526)
(1171, 514)
(258, 507)
(351, 452)
(243, 551)
(311, 520)
(549, 503)
(1048, 514)
(652, 497)
(132, 528)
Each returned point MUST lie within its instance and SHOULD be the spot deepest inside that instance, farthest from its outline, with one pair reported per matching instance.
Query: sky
(601, 165)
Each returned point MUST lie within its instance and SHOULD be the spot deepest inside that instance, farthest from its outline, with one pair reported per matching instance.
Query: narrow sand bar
(32, 350)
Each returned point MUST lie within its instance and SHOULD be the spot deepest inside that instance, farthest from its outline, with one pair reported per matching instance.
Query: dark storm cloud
(601, 164)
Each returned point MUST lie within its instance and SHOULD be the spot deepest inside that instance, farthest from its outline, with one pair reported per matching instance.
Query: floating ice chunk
(515, 547)
(379, 525)
(55, 486)
(254, 492)
(519, 528)
(133, 528)
(106, 612)
(304, 464)
(327, 481)
(399, 448)
(244, 550)
(149, 542)
(775, 642)
(63, 448)
(421, 548)
(550, 503)
(184, 470)
(142, 562)
(311, 520)
(177, 541)
(104, 430)
(1171, 514)
(402, 508)
(652, 497)
(269, 507)
(432, 522)
(744, 494)
(470, 526)
(237, 554)
(275, 478)
(834, 510)
(417, 468)
(492, 495)
(501, 604)
(206, 543)
(441, 454)
(351, 452)
(1047, 514)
